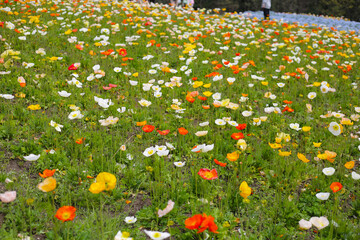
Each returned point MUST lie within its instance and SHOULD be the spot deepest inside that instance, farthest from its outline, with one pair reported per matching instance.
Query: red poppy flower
(241, 126)
(336, 186)
(220, 163)
(201, 222)
(194, 222)
(72, 67)
(208, 223)
(148, 128)
(208, 174)
(164, 132)
(237, 136)
(202, 98)
(112, 85)
(66, 213)
(47, 173)
(183, 131)
(122, 52)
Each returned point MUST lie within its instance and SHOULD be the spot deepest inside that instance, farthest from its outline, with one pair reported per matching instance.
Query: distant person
(266, 5)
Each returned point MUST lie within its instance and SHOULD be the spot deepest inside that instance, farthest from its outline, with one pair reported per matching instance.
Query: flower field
(128, 121)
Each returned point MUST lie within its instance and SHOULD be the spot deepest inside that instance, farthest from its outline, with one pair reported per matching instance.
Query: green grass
(283, 187)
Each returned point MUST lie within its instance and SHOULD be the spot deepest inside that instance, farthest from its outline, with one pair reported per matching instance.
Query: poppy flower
(350, 164)
(303, 158)
(208, 174)
(287, 109)
(80, 140)
(143, 123)
(237, 136)
(232, 157)
(163, 132)
(47, 173)
(183, 131)
(245, 190)
(220, 163)
(208, 223)
(66, 213)
(122, 52)
(104, 182)
(194, 222)
(241, 126)
(148, 128)
(47, 185)
(336, 186)
(73, 66)
(201, 222)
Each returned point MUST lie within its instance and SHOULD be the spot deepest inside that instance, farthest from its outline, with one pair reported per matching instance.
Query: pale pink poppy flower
(8, 196)
(168, 208)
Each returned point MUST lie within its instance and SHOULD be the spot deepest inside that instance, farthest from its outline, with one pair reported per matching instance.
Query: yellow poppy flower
(317, 144)
(306, 128)
(275, 145)
(109, 180)
(47, 185)
(303, 158)
(233, 156)
(97, 187)
(245, 190)
(34, 107)
(284, 154)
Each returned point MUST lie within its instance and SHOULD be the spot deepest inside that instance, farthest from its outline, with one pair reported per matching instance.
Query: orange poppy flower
(336, 186)
(350, 164)
(220, 163)
(233, 156)
(237, 136)
(183, 131)
(66, 213)
(208, 174)
(205, 107)
(143, 123)
(287, 102)
(148, 128)
(47, 173)
(80, 140)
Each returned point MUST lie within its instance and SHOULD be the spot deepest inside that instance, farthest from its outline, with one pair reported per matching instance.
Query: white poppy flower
(64, 94)
(335, 128)
(247, 113)
(157, 235)
(303, 224)
(122, 236)
(203, 124)
(323, 195)
(319, 222)
(75, 115)
(149, 151)
(130, 219)
(280, 85)
(220, 122)
(328, 171)
(179, 164)
(311, 95)
(32, 157)
(201, 133)
(355, 176)
(295, 126)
